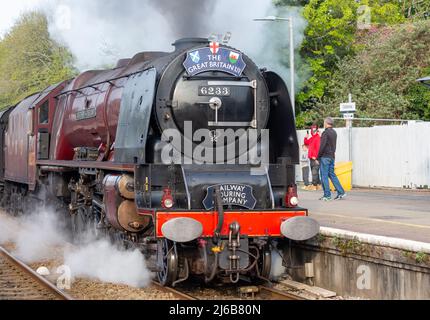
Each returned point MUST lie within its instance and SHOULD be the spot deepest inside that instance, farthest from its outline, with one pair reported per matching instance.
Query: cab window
(44, 113)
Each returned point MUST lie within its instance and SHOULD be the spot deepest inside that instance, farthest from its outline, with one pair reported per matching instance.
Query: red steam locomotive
(162, 153)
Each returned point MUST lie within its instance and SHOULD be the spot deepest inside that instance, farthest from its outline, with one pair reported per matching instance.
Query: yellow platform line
(372, 220)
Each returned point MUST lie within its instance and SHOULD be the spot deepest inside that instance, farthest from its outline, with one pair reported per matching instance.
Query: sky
(99, 32)
(10, 10)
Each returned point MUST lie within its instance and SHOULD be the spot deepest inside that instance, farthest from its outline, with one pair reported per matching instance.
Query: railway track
(274, 294)
(261, 293)
(20, 282)
(174, 292)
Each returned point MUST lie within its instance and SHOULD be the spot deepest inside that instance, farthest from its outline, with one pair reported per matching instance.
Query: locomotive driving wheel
(78, 220)
(169, 263)
(17, 203)
(83, 222)
(265, 263)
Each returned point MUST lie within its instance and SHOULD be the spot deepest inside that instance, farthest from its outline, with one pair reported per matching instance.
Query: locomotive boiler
(187, 155)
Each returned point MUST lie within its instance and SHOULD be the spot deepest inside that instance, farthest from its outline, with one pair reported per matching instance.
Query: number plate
(86, 114)
(211, 91)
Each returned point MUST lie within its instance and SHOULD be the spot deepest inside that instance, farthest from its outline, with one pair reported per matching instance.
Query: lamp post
(425, 81)
(292, 61)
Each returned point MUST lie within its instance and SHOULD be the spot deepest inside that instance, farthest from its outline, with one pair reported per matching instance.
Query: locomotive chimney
(188, 43)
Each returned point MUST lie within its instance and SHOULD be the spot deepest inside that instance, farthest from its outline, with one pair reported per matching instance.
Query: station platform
(398, 214)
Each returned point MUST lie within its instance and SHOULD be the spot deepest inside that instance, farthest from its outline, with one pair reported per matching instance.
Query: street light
(292, 62)
(425, 81)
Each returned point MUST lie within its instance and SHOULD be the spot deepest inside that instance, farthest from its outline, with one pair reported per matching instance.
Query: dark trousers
(327, 172)
(305, 172)
(315, 173)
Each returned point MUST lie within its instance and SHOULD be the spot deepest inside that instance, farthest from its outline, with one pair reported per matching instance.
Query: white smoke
(41, 232)
(34, 236)
(102, 261)
(277, 269)
(40, 237)
(267, 43)
(99, 32)
(6, 229)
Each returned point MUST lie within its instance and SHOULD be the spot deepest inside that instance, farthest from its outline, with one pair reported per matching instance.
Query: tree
(30, 60)
(417, 9)
(330, 37)
(382, 76)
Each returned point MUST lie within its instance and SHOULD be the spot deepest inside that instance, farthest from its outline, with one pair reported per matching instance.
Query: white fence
(386, 156)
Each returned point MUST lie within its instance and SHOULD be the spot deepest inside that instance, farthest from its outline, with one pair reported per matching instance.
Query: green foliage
(385, 12)
(421, 257)
(417, 9)
(382, 76)
(331, 36)
(347, 246)
(30, 60)
(344, 58)
(418, 257)
(419, 98)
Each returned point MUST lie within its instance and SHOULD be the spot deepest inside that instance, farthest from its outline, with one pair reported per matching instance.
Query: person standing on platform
(304, 164)
(326, 158)
(313, 142)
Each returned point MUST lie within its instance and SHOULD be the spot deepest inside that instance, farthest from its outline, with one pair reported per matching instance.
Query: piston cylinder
(126, 187)
(122, 214)
(129, 219)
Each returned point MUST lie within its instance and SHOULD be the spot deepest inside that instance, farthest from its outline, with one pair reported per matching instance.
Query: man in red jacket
(313, 142)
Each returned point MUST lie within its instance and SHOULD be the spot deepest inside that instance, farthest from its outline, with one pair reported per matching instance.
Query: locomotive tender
(98, 144)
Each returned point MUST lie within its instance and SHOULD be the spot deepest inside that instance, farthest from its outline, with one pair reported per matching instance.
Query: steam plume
(40, 237)
(34, 236)
(102, 261)
(99, 32)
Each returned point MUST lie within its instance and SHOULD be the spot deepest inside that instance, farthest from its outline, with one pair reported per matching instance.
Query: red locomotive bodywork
(24, 130)
(17, 142)
(88, 117)
(88, 109)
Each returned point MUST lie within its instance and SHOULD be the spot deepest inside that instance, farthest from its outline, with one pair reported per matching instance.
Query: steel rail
(264, 292)
(176, 293)
(275, 294)
(35, 276)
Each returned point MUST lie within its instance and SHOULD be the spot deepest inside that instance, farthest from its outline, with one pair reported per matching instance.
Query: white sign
(348, 107)
(348, 116)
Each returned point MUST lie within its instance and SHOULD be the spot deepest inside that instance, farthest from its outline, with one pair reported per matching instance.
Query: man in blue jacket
(326, 157)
